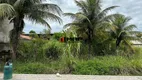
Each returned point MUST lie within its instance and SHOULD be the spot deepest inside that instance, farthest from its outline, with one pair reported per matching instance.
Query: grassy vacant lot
(99, 65)
(35, 58)
(105, 47)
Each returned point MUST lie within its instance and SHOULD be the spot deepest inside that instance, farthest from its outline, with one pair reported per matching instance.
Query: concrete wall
(5, 28)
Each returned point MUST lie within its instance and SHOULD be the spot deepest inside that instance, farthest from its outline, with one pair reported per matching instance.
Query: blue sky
(131, 8)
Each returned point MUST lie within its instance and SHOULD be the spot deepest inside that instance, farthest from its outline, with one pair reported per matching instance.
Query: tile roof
(25, 37)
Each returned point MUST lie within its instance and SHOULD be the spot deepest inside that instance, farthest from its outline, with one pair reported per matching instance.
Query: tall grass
(101, 65)
(46, 57)
(111, 65)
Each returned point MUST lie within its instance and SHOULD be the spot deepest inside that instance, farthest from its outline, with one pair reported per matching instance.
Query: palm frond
(82, 6)
(125, 21)
(121, 21)
(121, 33)
(130, 27)
(82, 16)
(49, 7)
(127, 43)
(3, 1)
(97, 6)
(103, 13)
(75, 16)
(72, 24)
(72, 15)
(37, 1)
(109, 18)
(82, 32)
(6, 10)
(48, 16)
(7, 1)
(38, 19)
(52, 17)
(78, 16)
(19, 6)
(106, 41)
(45, 15)
(19, 3)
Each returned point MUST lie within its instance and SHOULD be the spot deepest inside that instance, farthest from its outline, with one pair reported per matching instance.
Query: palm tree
(6, 11)
(33, 10)
(89, 18)
(122, 31)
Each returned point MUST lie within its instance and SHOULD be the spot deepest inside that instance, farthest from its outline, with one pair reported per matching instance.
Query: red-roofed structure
(25, 37)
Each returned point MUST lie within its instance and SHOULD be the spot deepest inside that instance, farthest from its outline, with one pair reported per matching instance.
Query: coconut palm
(6, 10)
(122, 31)
(89, 18)
(33, 10)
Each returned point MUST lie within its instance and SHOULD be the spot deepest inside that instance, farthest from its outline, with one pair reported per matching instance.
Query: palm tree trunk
(15, 34)
(89, 50)
(89, 44)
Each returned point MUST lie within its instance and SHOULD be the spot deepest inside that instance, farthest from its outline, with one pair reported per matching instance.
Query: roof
(25, 37)
(136, 42)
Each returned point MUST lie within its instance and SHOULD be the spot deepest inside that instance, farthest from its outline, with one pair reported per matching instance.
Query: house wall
(5, 28)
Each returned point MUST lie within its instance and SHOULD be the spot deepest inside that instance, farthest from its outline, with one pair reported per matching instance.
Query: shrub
(53, 49)
(57, 36)
(31, 50)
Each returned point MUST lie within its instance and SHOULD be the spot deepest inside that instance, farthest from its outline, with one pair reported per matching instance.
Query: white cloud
(130, 8)
(31, 26)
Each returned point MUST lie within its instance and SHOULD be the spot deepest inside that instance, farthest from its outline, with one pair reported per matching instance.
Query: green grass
(110, 65)
(49, 67)
(103, 65)
(34, 60)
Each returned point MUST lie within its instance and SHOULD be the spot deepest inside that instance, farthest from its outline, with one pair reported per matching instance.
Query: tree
(58, 35)
(89, 19)
(32, 31)
(33, 10)
(122, 31)
(33, 34)
(23, 32)
(6, 11)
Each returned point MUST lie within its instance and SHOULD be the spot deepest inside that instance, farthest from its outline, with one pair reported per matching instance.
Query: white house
(136, 43)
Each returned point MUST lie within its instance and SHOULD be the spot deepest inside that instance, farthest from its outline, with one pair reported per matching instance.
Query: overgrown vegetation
(101, 65)
(109, 65)
(70, 58)
(105, 48)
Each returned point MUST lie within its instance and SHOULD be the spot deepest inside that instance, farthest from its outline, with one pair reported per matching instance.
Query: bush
(57, 36)
(109, 65)
(31, 50)
(53, 49)
(39, 50)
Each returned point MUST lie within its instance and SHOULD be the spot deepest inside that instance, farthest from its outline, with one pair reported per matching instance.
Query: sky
(130, 8)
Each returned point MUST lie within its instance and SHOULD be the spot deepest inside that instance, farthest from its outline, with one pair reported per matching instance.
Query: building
(25, 37)
(136, 43)
(5, 27)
